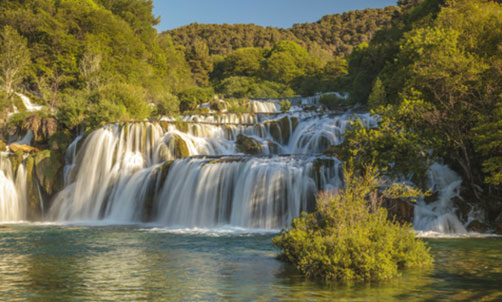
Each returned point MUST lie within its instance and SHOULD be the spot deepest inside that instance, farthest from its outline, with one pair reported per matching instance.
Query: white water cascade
(136, 172)
(12, 192)
(439, 216)
(194, 171)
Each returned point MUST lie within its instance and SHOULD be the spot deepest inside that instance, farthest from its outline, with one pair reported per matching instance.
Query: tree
(14, 58)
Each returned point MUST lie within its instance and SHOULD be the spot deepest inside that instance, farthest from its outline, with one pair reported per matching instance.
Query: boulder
(48, 167)
(3, 146)
(42, 127)
(247, 145)
(178, 147)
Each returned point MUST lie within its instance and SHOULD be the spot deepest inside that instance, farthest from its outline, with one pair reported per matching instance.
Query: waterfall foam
(12, 197)
(439, 216)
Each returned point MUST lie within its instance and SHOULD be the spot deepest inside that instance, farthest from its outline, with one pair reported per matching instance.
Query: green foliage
(247, 145)
(167, 104)
(332, 101)
(488, 139)
(72, 110)
(333, 35)
(192, 97)
(391, 147)
(349, 238)
(285, 105)
(77, 45)
(251, 87)
(14, 58)
(434, 78)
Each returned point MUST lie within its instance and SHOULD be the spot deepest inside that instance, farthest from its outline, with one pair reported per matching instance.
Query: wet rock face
(248, 145)
(401, 210)
(42, 127)
(477, 226)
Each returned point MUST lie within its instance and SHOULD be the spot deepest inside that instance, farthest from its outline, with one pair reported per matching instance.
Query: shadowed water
(138, 263)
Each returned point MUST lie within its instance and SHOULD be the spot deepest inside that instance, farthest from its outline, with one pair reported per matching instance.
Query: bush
(167, 104)
(192, 97)
(332, 101)
(349, 237)
(285, 105)
(72, 109)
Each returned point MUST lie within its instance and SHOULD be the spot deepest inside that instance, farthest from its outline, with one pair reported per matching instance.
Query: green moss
(47, 170)
(33, 195)
(181, 126)
(281, 129)
(273, 147)
(3, 146)
(60, 141)
(247, 145)
(16, 158)
(179, 147)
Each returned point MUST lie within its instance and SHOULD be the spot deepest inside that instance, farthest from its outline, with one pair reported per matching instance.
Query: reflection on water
(48, 263)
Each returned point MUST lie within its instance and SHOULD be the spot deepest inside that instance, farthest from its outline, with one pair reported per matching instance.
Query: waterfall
(439, 216)
(12, 197)
(189, 172)
(198, 171)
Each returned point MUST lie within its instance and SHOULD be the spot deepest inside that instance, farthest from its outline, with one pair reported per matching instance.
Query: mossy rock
(33, 208)
(225, 160)
(16, 158)
(281, 129)
(60, 141)
(3, 146)
(181, 126)
(47, 171)
(273, 147)
(23, 148)
(178, 146)
(248, 145)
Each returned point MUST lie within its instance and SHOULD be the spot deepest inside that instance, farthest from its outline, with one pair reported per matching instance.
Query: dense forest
(332, 36)
(430, 69)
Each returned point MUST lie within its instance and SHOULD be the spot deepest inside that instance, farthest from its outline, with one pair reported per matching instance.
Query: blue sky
(279, 13)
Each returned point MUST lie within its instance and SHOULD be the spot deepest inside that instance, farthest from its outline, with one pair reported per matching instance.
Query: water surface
(138, 263)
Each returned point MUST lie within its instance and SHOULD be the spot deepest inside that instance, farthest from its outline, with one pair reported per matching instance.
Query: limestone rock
(23, 148)
(248, 145)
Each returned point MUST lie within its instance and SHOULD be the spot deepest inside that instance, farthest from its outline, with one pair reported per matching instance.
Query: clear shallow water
(138, 263)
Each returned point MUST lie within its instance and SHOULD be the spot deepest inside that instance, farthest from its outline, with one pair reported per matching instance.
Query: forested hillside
(97, 59)
(435, 79)
(332, 36)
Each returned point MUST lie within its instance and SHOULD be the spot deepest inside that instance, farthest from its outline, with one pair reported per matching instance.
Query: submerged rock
(248, 145)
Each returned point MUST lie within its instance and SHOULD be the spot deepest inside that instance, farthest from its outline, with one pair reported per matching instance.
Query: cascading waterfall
(439, 216)
(192, 172)
(136, 172)
(12, 192)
